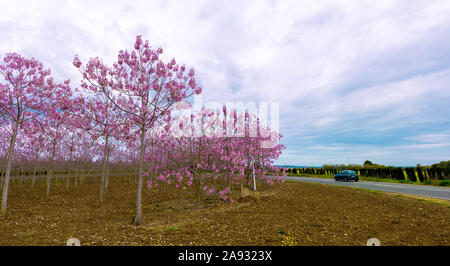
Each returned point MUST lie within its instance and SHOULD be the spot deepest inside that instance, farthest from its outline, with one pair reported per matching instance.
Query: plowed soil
(287, 214)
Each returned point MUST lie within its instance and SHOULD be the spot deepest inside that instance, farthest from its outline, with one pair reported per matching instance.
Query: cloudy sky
(354, 80)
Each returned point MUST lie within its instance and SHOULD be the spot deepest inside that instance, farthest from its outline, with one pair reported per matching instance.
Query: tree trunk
(21, 177)
(3, 171)
(3, 177)
(8, 168)
(107, 171)
(105, 158)
(69, 168)
(244, 179)
(76, 174)
(49, 171)
(138, 219)
(229, 178)
(33, 180)
(135, 174)
(68, 179)
(129, 175)
(242, 184)
(197, 187)
(253, 172)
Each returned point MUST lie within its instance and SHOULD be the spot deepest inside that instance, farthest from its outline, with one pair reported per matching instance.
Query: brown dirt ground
(299, 213)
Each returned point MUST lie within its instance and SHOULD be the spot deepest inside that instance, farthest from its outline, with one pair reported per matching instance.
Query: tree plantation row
(414, 174)
(128, 115)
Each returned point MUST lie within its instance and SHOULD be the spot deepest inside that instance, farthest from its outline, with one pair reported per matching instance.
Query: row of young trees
(123, 114)
(420, 173)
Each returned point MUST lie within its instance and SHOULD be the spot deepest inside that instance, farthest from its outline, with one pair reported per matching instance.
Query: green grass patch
(172, 228)
(26, 234)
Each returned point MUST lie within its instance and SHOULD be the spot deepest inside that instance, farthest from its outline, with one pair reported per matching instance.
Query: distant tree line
(439, 171)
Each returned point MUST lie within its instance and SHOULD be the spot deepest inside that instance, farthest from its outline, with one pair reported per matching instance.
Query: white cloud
(378, 68)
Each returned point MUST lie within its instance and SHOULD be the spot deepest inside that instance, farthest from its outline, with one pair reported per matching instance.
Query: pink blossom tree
(36, 144)
(5, 137)
(206, 147)
(102, 120)
(144, 88)
(26, 92)
(54, 128)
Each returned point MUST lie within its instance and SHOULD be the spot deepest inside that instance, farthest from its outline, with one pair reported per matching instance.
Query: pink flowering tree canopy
(143, 87)
(27, 92)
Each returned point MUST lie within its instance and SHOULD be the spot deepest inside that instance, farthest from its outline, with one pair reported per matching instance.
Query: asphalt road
(417, 190)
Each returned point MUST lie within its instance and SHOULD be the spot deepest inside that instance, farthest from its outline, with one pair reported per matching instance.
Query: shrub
(427, 182)
(444, 183)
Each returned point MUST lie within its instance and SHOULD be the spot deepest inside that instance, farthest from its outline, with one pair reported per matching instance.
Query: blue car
(346, 175)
